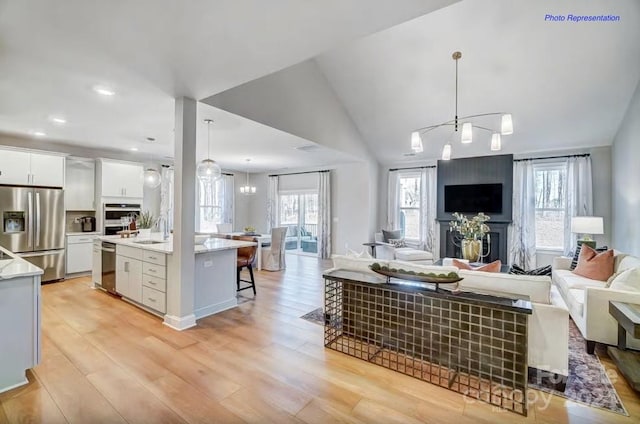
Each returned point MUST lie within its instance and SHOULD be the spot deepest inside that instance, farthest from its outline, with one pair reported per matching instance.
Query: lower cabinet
(141, 277)
(79, 253)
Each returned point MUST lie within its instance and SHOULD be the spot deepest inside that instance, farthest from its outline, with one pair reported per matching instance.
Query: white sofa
(588, 300)
(548, 340)
(412, 253)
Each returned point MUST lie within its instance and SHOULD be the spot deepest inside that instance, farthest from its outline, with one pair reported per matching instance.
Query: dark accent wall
(480, 170)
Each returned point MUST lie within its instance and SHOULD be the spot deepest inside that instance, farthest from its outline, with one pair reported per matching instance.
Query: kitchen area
(60, 217)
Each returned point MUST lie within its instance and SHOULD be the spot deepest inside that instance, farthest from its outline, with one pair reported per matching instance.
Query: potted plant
(470, 232)
(145, 222)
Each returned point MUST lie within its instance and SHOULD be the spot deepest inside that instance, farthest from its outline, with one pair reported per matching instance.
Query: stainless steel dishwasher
(109, 267)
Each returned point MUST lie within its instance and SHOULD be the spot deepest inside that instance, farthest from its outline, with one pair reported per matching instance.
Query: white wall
(626, 180)
(602, 189)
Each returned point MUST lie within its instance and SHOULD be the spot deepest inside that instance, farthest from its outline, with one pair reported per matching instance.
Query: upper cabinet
(26, 168)
(79, 191)
(121, 179)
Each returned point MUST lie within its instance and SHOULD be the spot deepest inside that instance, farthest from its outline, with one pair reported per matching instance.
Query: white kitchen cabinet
(120, 179)
(26, 168)
(14, 167)
(79, 191)
(47, 170)
(129, 277)
(79, 253)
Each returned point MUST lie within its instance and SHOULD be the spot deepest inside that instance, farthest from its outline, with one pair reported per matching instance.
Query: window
(409, 200)
(210, 208)
(550, 188)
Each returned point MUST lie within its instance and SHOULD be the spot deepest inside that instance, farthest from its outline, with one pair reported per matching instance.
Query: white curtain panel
(272, 202)
(166, 195)
(523, 228)
(324, 215)
(228, 198)
(393, 222)
(428, 200)
(579, 196)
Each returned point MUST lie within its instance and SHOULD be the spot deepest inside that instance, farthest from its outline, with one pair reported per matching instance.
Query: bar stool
(246, 257)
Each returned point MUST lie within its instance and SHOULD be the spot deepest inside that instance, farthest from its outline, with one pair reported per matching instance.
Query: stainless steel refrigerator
(33, 226)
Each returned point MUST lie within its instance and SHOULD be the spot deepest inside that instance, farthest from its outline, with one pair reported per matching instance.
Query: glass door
(299, 213)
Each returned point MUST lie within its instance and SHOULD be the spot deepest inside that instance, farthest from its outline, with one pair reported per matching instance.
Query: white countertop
(15, 266)
(82, 233)
(211, 245)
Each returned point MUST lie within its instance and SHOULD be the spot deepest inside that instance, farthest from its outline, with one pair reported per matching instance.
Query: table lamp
(587, 226)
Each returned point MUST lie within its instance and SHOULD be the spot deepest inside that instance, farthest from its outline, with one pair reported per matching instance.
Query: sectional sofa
(588, 300)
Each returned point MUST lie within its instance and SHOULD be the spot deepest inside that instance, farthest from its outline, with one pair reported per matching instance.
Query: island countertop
(12, 266)
(160, 246)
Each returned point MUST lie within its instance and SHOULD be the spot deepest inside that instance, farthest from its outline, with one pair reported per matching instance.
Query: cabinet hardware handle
(151, 299)
(151, 282)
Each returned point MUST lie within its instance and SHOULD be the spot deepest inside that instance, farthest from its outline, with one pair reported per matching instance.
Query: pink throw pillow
(594, 265)
(492, 267)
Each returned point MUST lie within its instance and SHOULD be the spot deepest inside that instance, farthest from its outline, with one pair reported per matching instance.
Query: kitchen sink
(149, 242)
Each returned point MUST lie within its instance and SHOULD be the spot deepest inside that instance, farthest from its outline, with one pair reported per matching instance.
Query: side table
(628, 362)
(372, 245)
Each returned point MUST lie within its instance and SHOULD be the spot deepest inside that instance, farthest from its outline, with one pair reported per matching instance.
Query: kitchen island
(19, 319)
(147, 275)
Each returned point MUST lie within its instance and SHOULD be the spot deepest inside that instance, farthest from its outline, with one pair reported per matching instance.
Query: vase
(144, 232)
(471, 250)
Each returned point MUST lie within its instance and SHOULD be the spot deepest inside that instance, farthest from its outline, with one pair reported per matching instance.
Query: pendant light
(151, 178)
(208, 168)
(248, 189)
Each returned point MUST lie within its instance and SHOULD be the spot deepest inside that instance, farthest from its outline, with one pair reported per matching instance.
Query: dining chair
(246, 257)
(224, 228)
(273, 258)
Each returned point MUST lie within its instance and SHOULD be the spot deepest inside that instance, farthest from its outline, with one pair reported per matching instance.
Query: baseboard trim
(180, 323)
(13, 386)
(214, 309)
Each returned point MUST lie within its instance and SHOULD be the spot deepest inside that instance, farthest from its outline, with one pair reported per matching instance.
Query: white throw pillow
(628, 280)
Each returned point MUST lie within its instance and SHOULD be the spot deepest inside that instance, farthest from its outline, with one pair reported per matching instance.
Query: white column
(181, 264)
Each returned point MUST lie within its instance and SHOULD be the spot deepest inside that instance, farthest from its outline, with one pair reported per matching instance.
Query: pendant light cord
(456, 115)
(209, 139)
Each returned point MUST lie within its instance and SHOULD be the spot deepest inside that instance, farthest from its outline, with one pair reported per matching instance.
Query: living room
(336, 89)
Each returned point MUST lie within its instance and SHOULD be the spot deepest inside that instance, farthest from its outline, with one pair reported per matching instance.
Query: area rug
(588, 382)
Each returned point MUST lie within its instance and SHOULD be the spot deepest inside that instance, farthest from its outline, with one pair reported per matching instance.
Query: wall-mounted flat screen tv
(473, 198)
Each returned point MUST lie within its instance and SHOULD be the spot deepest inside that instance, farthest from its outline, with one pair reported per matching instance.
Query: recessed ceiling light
(134, 149)
(58, 120)
(39, 134)
(103, 91)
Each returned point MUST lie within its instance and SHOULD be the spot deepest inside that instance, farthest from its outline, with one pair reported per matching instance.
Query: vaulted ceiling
(388, 64)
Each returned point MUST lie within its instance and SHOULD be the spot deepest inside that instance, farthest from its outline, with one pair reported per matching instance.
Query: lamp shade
(467, 133)
(496, 143)
(416, 142)
(587, 225)
(506, 124)
(446, 152)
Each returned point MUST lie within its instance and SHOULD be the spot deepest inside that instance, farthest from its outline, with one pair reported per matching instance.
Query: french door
(299, 213)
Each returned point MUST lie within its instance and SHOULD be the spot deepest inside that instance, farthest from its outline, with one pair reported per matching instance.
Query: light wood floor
(105, 361)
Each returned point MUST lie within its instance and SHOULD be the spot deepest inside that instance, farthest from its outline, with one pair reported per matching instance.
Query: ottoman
(414, 255)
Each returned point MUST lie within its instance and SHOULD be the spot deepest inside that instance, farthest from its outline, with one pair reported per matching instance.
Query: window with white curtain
(550, 181)
(210, 204)
(409, 204)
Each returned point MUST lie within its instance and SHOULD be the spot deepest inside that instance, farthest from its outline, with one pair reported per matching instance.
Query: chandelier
(248, 189)
(467, 127)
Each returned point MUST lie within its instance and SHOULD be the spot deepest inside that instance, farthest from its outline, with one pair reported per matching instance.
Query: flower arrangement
(249, 229)
(470, 229)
